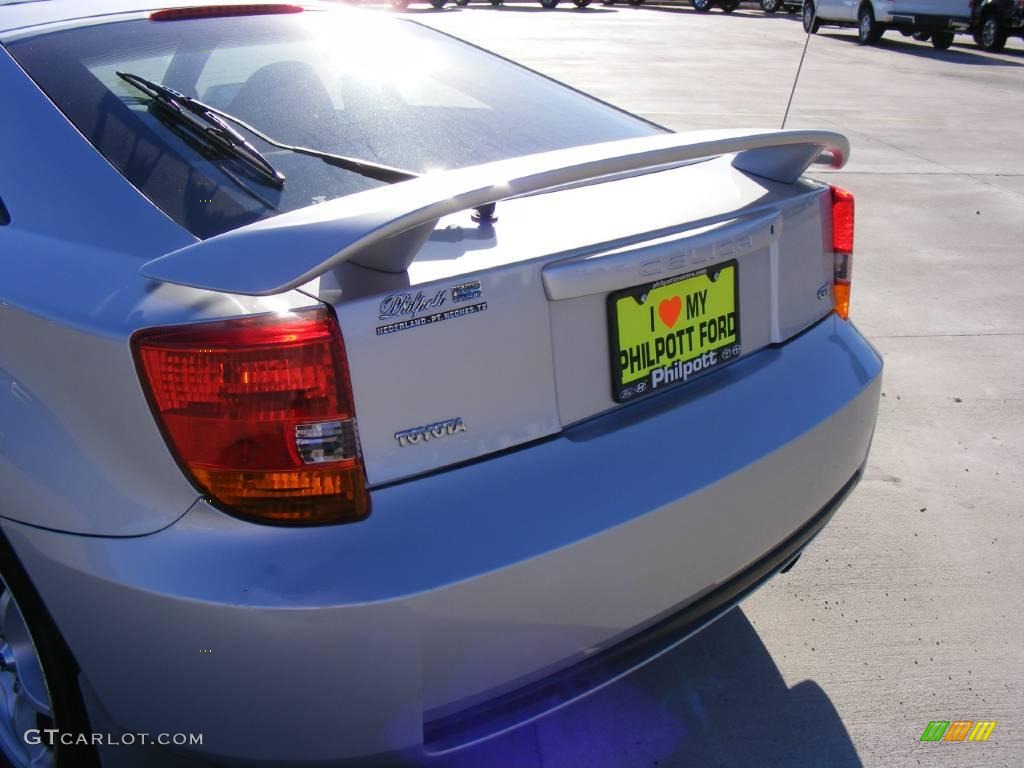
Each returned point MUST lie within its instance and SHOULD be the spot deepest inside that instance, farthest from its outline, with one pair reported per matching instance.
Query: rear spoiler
(384, 228)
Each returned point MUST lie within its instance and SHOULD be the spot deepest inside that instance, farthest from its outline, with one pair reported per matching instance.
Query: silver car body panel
(460, 584)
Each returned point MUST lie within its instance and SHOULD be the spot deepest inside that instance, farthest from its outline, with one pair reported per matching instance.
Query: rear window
(384, 90)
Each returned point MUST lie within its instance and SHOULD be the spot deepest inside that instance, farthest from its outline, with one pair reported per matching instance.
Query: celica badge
(435, 431)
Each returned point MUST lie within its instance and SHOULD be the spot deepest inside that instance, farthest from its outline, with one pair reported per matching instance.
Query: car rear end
(434, 503)
(928, 15)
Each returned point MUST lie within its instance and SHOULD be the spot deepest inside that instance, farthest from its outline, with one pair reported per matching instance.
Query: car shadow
(717, 699)
(926, 51)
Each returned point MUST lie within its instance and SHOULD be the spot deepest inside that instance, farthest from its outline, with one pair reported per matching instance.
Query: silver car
(604, 379)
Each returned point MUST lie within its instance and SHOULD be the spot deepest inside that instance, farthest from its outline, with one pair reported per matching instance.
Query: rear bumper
(923, 22)
(473, 585)
(594, 672)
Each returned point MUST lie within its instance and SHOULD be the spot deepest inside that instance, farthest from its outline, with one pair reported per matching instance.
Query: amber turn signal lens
(842, 294)
(295, 496)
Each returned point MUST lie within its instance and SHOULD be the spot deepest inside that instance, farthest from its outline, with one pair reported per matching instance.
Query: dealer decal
(411, 310)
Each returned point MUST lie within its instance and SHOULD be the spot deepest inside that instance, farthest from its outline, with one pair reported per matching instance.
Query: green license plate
(667, 332)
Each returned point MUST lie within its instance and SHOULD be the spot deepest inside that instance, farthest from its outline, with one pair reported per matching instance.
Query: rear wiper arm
(212, 121)
(367, 168)
(205, 122)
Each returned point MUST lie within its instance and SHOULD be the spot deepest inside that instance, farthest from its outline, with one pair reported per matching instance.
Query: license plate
(667, 332)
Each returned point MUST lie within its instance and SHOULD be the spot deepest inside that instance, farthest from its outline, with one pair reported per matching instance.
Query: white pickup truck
(924, 19)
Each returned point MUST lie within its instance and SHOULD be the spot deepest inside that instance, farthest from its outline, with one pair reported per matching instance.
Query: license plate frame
(677, 298)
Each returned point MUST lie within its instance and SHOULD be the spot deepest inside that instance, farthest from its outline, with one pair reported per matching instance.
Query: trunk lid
(499, 335)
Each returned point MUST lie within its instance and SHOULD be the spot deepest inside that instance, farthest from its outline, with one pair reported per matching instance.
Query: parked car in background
(589, 422)
(401, 5)
(993, 21)
(937, 20)
(774, 6)
(583, 3)
(727, 6)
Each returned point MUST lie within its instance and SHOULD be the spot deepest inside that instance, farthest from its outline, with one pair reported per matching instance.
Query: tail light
(258, 412)
(842, 247)
(210, 11)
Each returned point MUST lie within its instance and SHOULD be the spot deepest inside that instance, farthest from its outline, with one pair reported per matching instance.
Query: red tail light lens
(842, 247)
(842, 220)
(208, 11)
(258, 411)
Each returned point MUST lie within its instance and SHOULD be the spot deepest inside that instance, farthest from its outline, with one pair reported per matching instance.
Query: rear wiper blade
(204, 121)
(367, 168)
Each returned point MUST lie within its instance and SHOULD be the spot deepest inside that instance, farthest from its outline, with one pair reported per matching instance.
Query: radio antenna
(800, 66)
